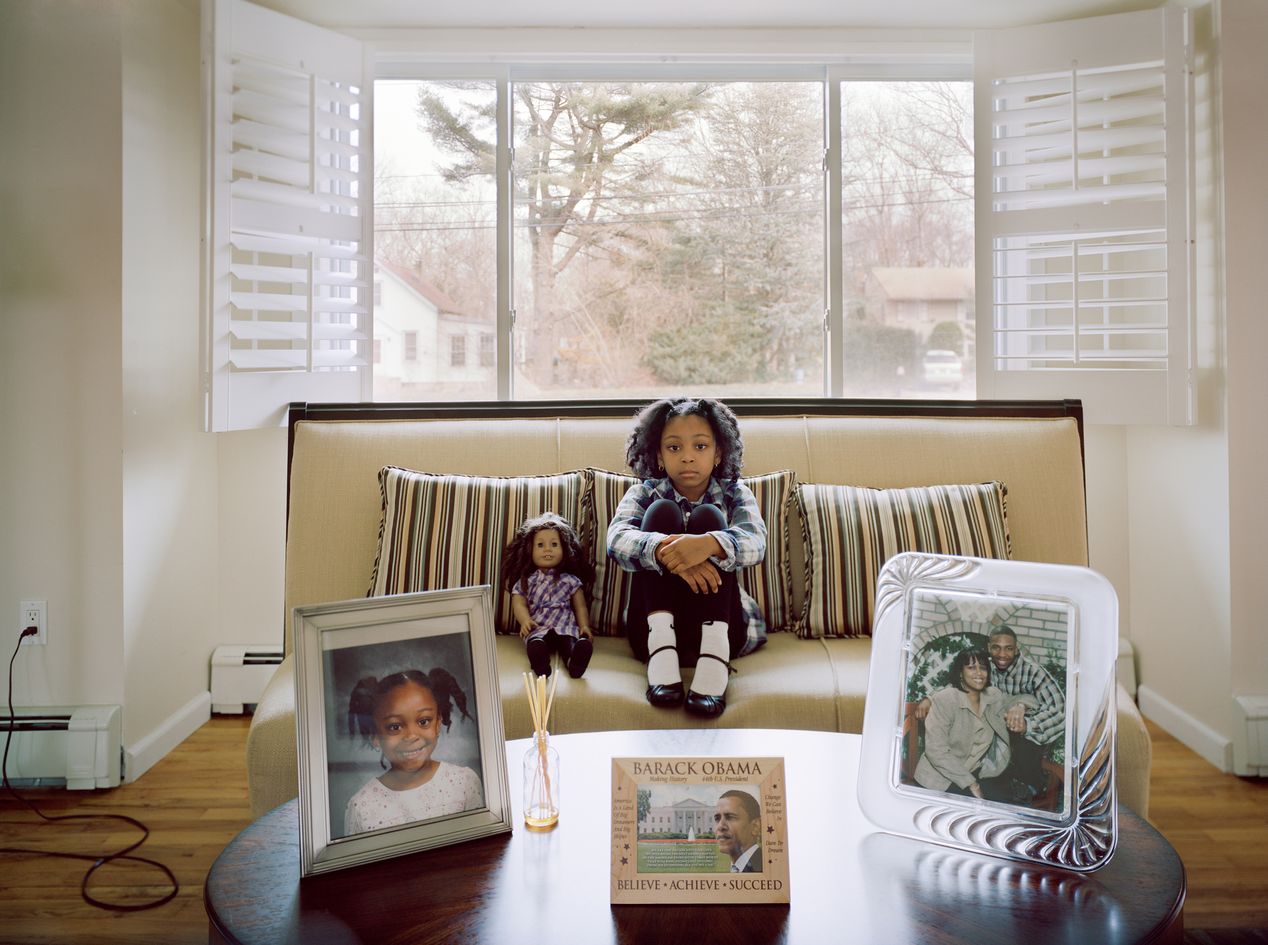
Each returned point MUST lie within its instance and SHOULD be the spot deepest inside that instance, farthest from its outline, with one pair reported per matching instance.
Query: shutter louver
(1083, 229)
(290, 225)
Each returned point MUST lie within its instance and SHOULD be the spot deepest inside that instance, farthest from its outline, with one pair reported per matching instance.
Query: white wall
(61, 384)
(1243, 38)
(170, 521)
(1198, 521)
(104, 465)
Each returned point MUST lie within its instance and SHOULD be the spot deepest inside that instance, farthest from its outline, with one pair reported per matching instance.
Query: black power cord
(97, 861)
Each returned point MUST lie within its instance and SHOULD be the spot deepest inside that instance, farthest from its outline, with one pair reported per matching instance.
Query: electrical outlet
(34, 613)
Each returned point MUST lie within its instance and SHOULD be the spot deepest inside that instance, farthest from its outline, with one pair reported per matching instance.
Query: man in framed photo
(737, 828)
(1032, 729)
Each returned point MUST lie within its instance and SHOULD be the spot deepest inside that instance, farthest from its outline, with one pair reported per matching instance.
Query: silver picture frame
(345, 647)
(1030, 774)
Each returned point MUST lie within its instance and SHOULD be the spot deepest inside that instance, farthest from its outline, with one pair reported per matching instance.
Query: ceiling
(679, 14)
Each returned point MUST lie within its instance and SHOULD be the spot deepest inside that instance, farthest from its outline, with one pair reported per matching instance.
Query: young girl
(547, 573)
(685, 532)
(400, 715)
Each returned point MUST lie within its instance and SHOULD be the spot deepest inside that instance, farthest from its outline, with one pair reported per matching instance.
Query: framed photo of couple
(399, 725)
(991, 708)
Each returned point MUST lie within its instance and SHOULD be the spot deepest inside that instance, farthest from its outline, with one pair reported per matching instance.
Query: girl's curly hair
(517, 559)
(642, 449)
(368, 692)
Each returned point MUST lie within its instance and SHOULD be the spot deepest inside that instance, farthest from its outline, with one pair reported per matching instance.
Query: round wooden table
(848, 882)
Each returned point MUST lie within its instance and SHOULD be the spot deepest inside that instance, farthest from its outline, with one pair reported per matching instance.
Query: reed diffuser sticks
(541, 761)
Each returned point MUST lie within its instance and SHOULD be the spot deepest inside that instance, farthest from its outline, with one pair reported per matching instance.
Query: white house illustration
(686, 816)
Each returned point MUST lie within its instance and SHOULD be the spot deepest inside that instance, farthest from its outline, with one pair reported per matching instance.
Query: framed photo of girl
(399, 725)
(991, 708)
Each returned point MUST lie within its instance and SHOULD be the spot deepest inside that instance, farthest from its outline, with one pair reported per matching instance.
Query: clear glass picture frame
(991, 708)
(387, 688)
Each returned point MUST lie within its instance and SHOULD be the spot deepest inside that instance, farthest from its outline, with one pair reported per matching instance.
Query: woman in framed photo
(966, 736)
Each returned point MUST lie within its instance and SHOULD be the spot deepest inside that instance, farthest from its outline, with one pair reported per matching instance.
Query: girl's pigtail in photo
(447, 692)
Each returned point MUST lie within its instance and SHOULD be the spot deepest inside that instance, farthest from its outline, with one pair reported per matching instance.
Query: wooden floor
(195, 801)
(1219, 825)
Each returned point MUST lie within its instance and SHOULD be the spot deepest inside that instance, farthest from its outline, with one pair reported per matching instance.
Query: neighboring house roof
(928, 284)
(430, 292)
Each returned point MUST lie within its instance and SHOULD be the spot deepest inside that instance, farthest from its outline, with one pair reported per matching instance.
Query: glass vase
(541, 783)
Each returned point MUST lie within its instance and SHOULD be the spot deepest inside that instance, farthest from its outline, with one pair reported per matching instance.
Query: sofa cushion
(770, 583)
(788, 682)
(450, 531)
(850, 532)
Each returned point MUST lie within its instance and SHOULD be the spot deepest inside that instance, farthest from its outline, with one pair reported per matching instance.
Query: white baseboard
(140, 757)
(1198, 736)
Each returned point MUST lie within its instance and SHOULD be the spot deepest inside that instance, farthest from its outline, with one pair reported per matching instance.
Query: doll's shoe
(665, 697)
(582, 650)
(539, 656)
(709, 707)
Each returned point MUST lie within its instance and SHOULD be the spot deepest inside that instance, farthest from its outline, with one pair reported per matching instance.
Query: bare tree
(578, 166)
(748, 259)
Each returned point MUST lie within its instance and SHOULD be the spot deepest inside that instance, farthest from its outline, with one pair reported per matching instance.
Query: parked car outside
(943, 368)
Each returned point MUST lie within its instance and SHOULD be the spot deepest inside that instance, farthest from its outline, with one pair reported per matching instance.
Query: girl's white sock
(662, 668)
(711, 674)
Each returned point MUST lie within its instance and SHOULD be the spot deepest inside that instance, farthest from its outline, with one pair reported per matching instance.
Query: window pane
(907, 240)
(668, 236)
(435, 239)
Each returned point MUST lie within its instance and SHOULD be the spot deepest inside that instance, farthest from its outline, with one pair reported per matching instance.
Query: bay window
(750, 225)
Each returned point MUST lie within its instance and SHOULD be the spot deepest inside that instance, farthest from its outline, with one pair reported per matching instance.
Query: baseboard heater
(239, 675)
(79, 746)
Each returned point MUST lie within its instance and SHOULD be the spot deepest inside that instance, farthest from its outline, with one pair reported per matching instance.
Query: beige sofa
(333, 528)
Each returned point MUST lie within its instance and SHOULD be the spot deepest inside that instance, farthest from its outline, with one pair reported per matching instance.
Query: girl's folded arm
(744, 540)
(628, 545)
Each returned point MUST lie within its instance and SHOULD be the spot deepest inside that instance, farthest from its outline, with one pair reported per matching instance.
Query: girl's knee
(663, 516)
(706, 518)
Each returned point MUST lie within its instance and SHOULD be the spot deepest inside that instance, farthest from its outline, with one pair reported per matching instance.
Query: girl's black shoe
(710, 707)
(665, 697)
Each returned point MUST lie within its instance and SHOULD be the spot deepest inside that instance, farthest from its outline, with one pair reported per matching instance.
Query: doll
(548, 574)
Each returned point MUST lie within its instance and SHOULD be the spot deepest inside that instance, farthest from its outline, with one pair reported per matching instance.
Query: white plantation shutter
(289, 216)
(1084, 250)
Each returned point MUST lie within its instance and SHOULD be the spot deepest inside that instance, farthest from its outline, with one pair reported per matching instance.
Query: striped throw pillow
(770, 583)
(450, 531)
(850, 532)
